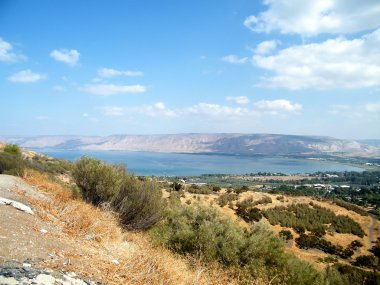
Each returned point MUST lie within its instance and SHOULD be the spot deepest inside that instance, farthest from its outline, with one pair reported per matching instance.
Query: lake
(176, 164)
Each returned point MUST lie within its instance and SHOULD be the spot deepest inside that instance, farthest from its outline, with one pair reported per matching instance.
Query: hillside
(93, 221)
(236, 144)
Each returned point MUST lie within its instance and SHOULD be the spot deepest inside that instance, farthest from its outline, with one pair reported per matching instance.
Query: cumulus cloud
(6, 53)
(266, 47)
(153, 110)
(235, 59)
(316, 17)
(111, 89)
(215, 110)
(238, 99)
(26, 76)
(70, 57)
(276, 106)
(109, 72)
(334, 63)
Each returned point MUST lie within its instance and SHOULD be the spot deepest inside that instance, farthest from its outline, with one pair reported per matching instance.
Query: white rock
(26, 265)
(115, 261)
(17, 205)
(44, 279)
(43, 231)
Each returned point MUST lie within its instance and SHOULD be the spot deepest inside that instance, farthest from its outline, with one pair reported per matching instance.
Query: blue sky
(152, 67)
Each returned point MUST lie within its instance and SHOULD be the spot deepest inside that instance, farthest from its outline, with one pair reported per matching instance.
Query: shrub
(202, 232)
(195, 189)
(138, 203)
(286, 235)
(242, 189)
(351, 207)
(365, 261)
(226, 198)
(216, 188)
(354, 245)
(177, 186)
(12, 149)
(12, 164)
(98, 181)
(353, 275)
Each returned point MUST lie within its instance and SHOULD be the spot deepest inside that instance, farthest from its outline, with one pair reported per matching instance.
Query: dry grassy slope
(89, 241)
(309, 255)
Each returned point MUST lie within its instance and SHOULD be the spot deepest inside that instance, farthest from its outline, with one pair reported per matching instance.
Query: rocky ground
(25, 239)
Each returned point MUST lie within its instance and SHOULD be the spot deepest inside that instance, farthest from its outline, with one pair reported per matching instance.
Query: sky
(174, 66)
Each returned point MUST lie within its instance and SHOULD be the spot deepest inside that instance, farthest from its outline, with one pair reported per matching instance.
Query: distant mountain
(237, 144)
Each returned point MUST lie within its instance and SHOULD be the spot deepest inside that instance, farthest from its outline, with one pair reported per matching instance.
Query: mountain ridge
(218, 143)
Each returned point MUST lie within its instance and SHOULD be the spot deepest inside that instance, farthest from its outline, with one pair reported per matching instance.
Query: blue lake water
(174, 164)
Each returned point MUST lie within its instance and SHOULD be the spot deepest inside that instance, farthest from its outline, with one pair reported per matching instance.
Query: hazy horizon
(166, 67)
(200, 133)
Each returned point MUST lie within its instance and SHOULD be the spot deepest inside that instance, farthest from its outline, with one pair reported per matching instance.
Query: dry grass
(101, 250)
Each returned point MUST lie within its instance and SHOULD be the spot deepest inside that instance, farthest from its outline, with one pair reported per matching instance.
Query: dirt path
(371, 230)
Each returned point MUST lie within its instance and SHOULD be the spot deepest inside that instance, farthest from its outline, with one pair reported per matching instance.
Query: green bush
(347, 275)
(98, 181)
(195, 189)
(365, 261)
(226, 198)
(137, 201)
(12, 164)
(286, 235)
(204, 233)
(12, 149)
(201, 232)
(216, 188)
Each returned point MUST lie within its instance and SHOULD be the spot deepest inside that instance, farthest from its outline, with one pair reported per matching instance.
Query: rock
(44, 279)
(17, 205)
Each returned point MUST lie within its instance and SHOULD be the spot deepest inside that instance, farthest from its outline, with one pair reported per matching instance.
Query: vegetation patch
(313, 218)
(203, 232)
(138, 202)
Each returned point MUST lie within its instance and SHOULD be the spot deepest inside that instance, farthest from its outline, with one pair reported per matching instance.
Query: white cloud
(26, 76)
(235, 59)
(238, 99)
(153, 110)
(215, 110)
(280, 105)
(85, 115)
(109, 72)
(266, 47)
(271, 108)
(316, 17)
(372, 107)
(111, 89)
(6, 53)
(71, 57)
(334, 63)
